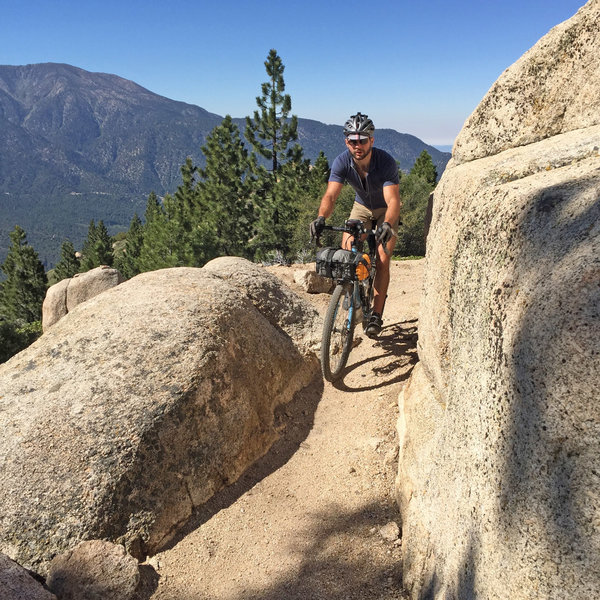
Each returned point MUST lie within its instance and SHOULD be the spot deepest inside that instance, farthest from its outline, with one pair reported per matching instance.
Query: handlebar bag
(323, 264)
(337, 263)
(344, 264)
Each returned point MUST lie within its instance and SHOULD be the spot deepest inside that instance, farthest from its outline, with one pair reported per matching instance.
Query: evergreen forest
(254, 200)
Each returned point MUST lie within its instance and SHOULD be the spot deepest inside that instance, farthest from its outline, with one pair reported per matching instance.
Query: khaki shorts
(376, 216)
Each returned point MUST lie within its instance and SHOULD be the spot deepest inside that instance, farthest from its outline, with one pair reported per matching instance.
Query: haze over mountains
(77, 146)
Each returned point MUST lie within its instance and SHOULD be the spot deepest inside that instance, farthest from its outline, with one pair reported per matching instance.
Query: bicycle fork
(352, 303)
(349, 304)
(356, 307)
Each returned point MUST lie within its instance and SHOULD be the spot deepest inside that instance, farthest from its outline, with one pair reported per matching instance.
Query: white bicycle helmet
(359, 125)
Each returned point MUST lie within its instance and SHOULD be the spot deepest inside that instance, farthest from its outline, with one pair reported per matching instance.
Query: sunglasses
(361, 141)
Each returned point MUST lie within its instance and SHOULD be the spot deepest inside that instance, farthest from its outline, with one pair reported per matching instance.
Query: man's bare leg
(382, 282)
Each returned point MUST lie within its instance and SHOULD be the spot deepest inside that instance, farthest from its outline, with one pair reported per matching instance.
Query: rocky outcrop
(500, 453)
(551, 89)
(142, 402)
(17, 584)
(313, 283)
(68, 293)
(282, 308)
(94, 570)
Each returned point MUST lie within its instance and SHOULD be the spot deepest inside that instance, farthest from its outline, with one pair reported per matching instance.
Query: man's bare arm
(391, 195)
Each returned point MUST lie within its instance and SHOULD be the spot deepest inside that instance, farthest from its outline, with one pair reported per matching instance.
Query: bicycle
(352, 298)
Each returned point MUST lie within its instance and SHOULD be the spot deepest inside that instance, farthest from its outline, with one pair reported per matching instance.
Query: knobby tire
(338, 333)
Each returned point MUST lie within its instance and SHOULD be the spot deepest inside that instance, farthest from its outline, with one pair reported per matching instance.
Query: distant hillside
(77, 146)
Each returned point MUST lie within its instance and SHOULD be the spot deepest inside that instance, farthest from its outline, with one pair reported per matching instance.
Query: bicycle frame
(341, 317)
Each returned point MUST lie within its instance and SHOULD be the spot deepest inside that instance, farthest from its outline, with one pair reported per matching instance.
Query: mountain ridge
(77, 146)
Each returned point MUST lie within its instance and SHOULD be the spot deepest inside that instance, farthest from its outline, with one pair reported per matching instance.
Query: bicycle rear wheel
(338, 332)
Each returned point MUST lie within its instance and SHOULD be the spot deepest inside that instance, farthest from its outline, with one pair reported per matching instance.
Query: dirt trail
(314, 518)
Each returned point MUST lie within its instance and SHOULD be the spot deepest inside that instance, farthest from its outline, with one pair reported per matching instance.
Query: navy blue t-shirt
(383, 171)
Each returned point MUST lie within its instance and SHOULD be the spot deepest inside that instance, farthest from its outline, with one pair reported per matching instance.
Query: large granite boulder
(551, 89)
(499, 429)
(142, 402)
(65, 295)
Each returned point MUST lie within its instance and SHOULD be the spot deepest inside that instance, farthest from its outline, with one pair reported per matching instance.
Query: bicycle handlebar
(356, 229)
(346, 229)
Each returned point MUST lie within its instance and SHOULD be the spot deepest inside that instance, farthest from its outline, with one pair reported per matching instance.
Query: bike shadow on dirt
(397, 347)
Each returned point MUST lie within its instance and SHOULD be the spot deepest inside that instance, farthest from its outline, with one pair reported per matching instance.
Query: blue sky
(417, 67)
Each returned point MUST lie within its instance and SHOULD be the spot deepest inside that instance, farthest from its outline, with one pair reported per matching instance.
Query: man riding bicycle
(373, 174)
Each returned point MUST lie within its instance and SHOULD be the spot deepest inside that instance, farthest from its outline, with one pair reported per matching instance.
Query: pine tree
(271, 125)
(165, 242)
(97, 248)
(23, 291)
(153, 208)
(153, 226)
(104, 243)
(186, 199)
(309, 199)
(128, 261)
(225, 221)
(88, 260)
(414, 191)
(277, 193)
(425, 168)
(319, 173)
(10, 340)
(290, 193)
(69, 264)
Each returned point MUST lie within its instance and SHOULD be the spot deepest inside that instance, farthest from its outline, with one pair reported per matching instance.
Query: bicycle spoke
(337, 333)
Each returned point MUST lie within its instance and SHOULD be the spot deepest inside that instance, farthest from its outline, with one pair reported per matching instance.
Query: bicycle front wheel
(338, 332)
